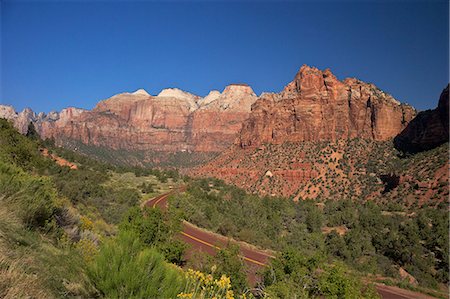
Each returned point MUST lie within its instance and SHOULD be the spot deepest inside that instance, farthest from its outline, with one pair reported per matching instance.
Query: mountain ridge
(314, 106)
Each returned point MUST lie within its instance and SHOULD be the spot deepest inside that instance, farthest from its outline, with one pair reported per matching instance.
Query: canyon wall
(172, 121)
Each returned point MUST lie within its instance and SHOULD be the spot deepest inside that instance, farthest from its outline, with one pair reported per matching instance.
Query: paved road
(208, 242)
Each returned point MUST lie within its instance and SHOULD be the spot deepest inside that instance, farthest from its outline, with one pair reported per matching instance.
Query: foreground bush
(156, 229)
(125, 268)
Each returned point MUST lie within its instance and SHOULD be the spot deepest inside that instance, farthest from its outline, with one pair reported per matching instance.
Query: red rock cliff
(172, 121)
(317, 106)
(314, 106)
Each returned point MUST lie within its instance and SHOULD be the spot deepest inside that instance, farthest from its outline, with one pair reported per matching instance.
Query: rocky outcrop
(317, 106)
(428, 130)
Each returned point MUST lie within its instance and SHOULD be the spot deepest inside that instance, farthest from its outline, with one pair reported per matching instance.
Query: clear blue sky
(58, 54)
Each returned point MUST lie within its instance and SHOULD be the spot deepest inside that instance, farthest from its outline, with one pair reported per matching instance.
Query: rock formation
(317, 106)
(428, 130)
(310, 113)
(214, 126)
(314, 106)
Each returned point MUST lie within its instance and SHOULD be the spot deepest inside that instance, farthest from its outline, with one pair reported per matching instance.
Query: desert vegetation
(59, 237)
(81, 232)
(345, 169)
(382, 239)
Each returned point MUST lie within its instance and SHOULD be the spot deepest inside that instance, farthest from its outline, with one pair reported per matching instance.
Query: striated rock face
(317, 106)
(428, 130)
(215, 124)
(172, 121)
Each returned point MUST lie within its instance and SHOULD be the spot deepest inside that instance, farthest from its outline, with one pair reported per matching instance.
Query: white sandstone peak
(211, 97)
(177, 93)
(7, 111)
(239, 89)
(235, 97)
(141, 91)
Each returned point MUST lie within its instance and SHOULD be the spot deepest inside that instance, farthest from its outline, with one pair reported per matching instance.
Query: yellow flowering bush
(202, 286)
(86, 223)
(87, 248)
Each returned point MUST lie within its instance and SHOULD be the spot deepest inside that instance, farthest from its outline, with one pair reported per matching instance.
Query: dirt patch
(60, 161)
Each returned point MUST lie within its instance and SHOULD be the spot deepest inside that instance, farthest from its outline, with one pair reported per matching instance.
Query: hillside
(354, 169)
(301, 160)
(73, 227)
(59, 224)
(382, 242)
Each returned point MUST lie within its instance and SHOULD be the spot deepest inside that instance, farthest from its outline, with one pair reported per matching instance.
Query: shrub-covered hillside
(58, 232)
(410, 245)
(81, 232)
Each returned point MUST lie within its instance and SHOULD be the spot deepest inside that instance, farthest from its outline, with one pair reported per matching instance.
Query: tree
(157, 230)
(336, 246)
(31, 132)
(148, 224)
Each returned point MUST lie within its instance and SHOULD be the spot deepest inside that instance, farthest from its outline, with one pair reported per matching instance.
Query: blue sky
(56, 54)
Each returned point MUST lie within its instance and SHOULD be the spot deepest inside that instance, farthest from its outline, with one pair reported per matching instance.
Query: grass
(34, 266)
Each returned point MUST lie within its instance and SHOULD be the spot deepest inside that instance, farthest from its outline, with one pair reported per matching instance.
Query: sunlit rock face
(174, 120)
(214, 126)
(317, 106)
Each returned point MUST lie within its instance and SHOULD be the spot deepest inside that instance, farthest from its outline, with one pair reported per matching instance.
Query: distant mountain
(315, 106)
(173, 121)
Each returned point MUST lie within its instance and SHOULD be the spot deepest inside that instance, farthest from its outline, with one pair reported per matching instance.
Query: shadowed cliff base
(428, 130)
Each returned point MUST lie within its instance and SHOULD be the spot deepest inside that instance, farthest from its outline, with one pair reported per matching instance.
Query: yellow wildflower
(229, 294)
(224, 282)
(208, 279)
(86, 223)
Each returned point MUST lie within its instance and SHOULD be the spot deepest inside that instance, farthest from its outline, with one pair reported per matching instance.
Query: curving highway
(208, 242)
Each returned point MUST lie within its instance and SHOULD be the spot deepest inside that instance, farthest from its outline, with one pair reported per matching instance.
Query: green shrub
(124, 268)
(229, 263)
(336, 282)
